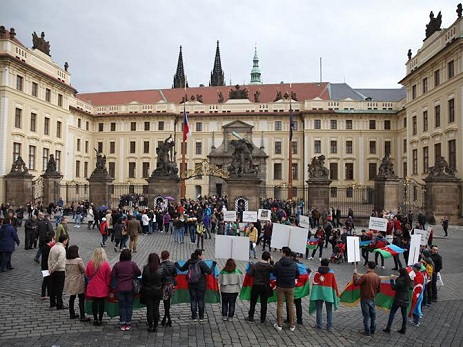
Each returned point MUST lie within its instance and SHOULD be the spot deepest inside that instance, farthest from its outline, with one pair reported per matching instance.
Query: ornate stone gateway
(205, 169)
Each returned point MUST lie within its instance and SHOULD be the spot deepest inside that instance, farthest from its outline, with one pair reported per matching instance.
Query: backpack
(194, 273)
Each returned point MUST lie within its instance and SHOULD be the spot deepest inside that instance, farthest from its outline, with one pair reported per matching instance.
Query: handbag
(136, 286)
(439, 282)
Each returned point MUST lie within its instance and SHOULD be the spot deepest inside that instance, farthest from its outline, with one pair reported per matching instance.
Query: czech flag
(186, 127)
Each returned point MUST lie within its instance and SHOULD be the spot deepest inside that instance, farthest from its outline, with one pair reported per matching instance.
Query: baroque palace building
(41, 113)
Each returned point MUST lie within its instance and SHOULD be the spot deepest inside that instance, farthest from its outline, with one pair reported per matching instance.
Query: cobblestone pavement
(26, 320)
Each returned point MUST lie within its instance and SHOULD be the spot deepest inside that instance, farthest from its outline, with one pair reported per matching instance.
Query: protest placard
(289, 236)
(379, 224)
(235, 247)
(250, 216)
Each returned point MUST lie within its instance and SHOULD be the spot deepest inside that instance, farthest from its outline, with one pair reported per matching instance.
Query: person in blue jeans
(370, 285)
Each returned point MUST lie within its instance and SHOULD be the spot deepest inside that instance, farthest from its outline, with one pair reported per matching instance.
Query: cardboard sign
(304, 222)
(229, 216)
(235, 247)
(379, 224)
(289, 236)
(264, 214)
(414, 252)
(249, 216)
(353, 249)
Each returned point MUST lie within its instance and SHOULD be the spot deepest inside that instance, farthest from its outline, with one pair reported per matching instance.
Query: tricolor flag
(186, 126)
(312, 244)
(324, 288)
(291, 123)
(419, 284)
(389, 251)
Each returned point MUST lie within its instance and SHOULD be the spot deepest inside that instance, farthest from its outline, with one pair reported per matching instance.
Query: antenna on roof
(321, 70)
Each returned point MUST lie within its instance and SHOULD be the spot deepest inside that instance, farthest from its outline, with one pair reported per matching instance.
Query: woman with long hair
(168, 286)
(402, 286)
(152, 290)
(125, 272)
(229, 280)
(98, 273)
(75, 282)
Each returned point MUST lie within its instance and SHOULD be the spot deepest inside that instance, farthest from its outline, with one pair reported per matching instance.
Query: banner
(250, 216)
(379, 224)
(289, 236)
(263, 214)
(229, 216)
(235, 247)
(304, 222)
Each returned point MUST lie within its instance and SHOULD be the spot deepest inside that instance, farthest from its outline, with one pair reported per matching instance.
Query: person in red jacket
(104, 231)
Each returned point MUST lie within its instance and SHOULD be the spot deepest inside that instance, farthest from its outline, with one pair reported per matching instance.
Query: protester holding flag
(401, 285)
(379, 242)
(230, 279)
(302, 289)
(419, 286)
(324, 290)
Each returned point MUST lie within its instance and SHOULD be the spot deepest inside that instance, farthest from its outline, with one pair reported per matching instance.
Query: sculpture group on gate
(441, 170)
(317, 169)
(241, 158)
(386, 168)
(19, 166)
(165, 165)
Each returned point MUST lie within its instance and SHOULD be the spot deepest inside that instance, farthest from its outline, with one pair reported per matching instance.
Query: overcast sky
(133, 44)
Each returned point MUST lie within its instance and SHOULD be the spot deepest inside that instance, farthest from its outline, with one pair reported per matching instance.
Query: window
(86, 146)
(437, 152)
(415, 162)
(16, 150)
(199, 126)
(317, 124)
(277, 171)
(146, 170)
(45, 155)
(132, 167)
(146, 147)
(132, 147)
(436, 78)
(58, 160)
(372, 147)
(46, 126)
(349, 124)
(35, 89)
(78, 145)
(425, 85)
(414, 126)
(277, 147)
(387, 124)
(317, 146)
(19, 82)
(405, 145)
(372, 124)
(17, 118)
(453, 154)
(405, 168)
(87, 125)
(112, 147)
(349, 192)
(294, 171)
(425, 159)
(372, 170)
(414, 91)
(387, 147)
(333, 147)
(451, 69)
(349, 171)
(333, 124)
(32, 150)
(349, 147)
(451, 110)
(133, 126)
(77, 168)
(333, 171)
(425, 120)
(161, 125)
(60, 101)
(58, 129)
(437, 116)
(47, 95)
(147, 126)
(100, 127)
(405, 122)
(198, 148)
(112, 169)
(294, 147)
(33, 122)
(86, 169)
(294, 125)
(112, 126)
(278, 125)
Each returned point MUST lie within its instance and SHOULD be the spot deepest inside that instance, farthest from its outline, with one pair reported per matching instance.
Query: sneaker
(201, 320)
(292, 328)
(387, 330)
(224, 318)
(37, 260)
(309, 258)
(230, 319)
(123, 327)
(277, 327)
(128, 326)
(320, 259)
(416, 324)
(383, 267)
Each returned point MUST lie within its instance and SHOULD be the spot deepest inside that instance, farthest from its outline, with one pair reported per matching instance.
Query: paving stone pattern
(26, 320)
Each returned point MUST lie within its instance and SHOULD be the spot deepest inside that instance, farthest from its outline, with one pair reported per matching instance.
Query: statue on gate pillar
(317, 169)
(19, 167)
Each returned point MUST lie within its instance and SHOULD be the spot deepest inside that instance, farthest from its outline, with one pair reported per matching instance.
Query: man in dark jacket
(44, 229)
(286, 272)
(437, 259)
(30, 229)
(260, 272)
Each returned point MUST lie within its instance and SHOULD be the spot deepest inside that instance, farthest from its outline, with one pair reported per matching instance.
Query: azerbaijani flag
(351, 294)
(419, 284)
(312, 243)
(389, 251)
(186, 126)
(182, 295)
(324, 288)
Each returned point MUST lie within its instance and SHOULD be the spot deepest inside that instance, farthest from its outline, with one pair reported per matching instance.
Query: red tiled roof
(268, 92)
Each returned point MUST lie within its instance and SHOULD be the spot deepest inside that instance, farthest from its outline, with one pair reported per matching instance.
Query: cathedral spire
(255, 72)
(217, 75)
(179, 77)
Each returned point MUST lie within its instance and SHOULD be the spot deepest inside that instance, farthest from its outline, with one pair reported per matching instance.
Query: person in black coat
(437, 259)
(152, 277)
(44, 266)
(402, 286)
(168, 285)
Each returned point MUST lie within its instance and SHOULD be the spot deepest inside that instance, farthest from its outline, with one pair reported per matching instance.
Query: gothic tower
(179, 77)
(217, 75)
(255, 72)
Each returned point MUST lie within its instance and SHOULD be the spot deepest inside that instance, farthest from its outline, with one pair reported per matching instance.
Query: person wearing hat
(103, 231)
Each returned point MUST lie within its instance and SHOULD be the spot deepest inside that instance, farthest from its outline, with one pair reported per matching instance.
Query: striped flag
(324, 288)
(186, 126)
(351, 294)
(389, 251)
(312, 244)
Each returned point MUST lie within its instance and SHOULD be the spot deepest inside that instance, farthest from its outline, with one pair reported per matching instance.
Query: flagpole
(183, 171)
(290, 155)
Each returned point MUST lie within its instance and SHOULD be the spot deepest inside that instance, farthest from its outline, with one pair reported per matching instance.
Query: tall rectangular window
(16, 150)
(277, 171)
(333, 171)
(317, 147)
(99, 147)
(436, 78)
(161, 125)
(425, 120)
(451, 69)
(425, 159)
(32, 150)
(425, 85)
(35, 89)
(198, 148)
(349, 147)
(437, 152)
(86, 146)
(146, 170)
(87, 125)
(333, 147)
(277, 145)
(453, 154)
(451, 110)
(19, 82)
(100, 127)
(414, 126)
(404, 164)
(58, 129)
(349, 124)
(199, 126)
(372, 124)
(437, 116)
(112, 169)
(47, 95)
(372, 170)
(294, 146)
(112, 126)
(77, 168)
(387, 124)
(415, 162)
(45, 155)
(79, 122)
(333, 124)
(133, 126)
(317, 124)
(78, 145)
(387, 147)
(18, 118)
(112, 147)
(58, 160)
(405, 145)
(147, 126)
(349, 171)
(60, 101)
(278, 125)
(132, 147)
(33, 122)
(414, 91)
(294, 171)
(146, 146)
(132, 167)
(372, 147)
(86, 169)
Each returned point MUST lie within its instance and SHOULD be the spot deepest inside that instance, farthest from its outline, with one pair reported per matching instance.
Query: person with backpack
(196, 278)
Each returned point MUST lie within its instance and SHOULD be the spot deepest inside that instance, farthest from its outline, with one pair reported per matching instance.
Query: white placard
(289, 236)
(424, 234)
(250, 216)
(264, 214)
(229, 216)
(45, 273)
(414, 252)
(353, 249)
(234, 247)
(304, 222)
(280, 236)
(379, 224)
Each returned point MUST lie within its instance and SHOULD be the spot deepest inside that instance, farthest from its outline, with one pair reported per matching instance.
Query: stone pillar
(318, 193)
(163, 185)
(51, 188)
(100, 189)
(443, 198)
(244, 187)
(386, 193)
(18, 188)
